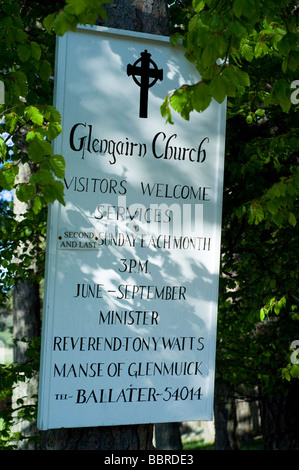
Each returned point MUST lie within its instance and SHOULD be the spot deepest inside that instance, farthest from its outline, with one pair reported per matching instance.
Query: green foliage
(75, 12)
(258, 298)
(10, 375)
(226, 40)
(23, 240)
(273, 304)
(247, 52)
(26, 64)
(28, 125)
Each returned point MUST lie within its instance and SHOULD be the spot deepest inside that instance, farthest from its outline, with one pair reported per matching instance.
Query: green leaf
(25, 192)
(8, 175)
(49, 22)
(165, 110)
(256, 213)
(291, 62)
(24, 52)
(218, 89)
(35, 50)
(52, 114)
(37, 205)
(261, 49)
(54, 130)
(201, 98)
(54, 192)
(209, 55)
(237, 29)
(2, 148)
(262, 314)
(286, 375)
(272, 283)
(20, 35)
(242, 77)
(77, 6)
(35, 135)
(42, 177)
(236, 76)
(198, 5)
(272, 207)
(180, 101)
(295, 368)
(238, 7)
(287, 43)
(280, 95)
(34, 115)
(11, 121)
(64, 22)
(21, 82)
(38, 149)
(247, 52)
(57, 164)
(292, 219)
(45, 70)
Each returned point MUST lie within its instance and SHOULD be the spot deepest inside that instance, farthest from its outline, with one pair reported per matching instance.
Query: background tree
(28, 167)
(248, 51)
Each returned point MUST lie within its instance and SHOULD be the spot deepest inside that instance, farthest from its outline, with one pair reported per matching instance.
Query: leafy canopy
(29, 122)
(224, 39)
(247, 52)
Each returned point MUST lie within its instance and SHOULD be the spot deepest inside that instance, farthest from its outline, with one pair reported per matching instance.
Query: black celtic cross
(145, 72)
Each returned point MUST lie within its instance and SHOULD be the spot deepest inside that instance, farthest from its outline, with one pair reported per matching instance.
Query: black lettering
(80, 139)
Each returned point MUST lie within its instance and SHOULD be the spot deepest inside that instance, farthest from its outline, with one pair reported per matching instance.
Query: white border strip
(123, 32)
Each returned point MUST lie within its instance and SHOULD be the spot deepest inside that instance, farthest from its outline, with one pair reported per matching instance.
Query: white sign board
(129, 325)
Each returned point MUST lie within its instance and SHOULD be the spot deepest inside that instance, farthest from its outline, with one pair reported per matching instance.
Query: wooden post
(26, 324)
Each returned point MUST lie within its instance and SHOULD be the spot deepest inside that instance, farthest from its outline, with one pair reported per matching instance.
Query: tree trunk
(26, 324)
(26, 321)
(221, 414)
(168, 436)
(148, 16)
(137, 437)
